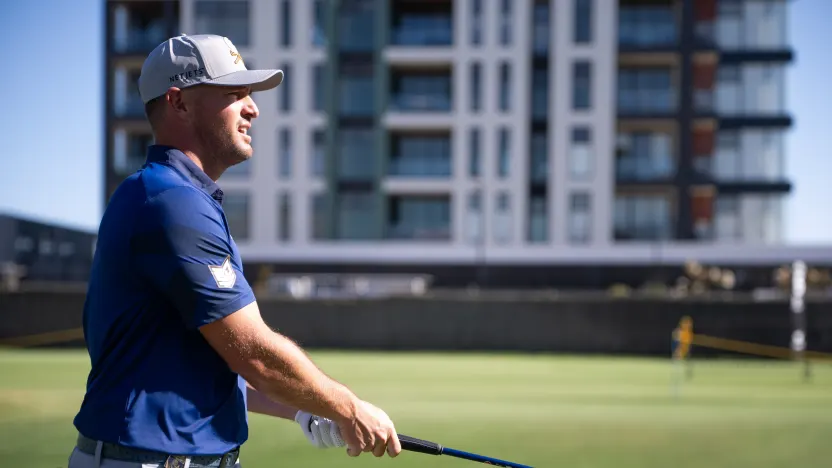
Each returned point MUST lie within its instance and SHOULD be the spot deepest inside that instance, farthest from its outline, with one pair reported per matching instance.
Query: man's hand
(321, 432)
(369, 430)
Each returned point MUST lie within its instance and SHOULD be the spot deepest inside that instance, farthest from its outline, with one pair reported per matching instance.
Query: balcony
(646, 102)
(644, 157)
(646, 92)
(419, 218)
(541, 29)
(647, 28)
(138, 27)
(421, 91)
(421, 24)
(420, 156)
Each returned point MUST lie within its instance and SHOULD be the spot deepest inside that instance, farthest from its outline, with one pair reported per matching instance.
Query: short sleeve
(181, 248)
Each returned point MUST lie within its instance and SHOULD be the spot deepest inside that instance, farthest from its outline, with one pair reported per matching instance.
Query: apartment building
(527, 139)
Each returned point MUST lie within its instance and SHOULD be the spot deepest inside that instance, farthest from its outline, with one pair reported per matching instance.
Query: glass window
(730, 27)
(505, 19)
(357, 91)
(504, 157)
(476, 22)
(421, 25)
(285, 155)
(318, 159)
(318, 33)
(646, 25)
(583, 21)
(642, 217)
(357, 217)
(474, 153)
(284, 217)
(540, 27)
(285, 88)
(505, 87)
(540, 92)
(581, 154)
(645, 156)
(539, 164)
(356, 25)
(419, 217)
(582, 85)
(318, 86)
(538, 220)
(422, 91)
(729, 89)
(476, 86)
(728, 222)
(580, 217)
(319, 215)
(645, 90)
(236, 208)
(229, 18)
(474, 218)
(285, 23)
(420, 156)
(728, 155)
(356, 154)
(502, 218)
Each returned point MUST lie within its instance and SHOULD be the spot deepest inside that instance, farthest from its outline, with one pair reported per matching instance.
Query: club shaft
(432, 448)
(481, 458)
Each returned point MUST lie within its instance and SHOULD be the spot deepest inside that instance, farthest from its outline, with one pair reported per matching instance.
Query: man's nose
(250, 108)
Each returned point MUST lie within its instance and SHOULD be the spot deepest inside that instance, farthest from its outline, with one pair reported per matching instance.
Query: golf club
(432, 448)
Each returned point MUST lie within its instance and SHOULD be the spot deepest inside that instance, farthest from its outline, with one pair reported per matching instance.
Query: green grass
(538, 410)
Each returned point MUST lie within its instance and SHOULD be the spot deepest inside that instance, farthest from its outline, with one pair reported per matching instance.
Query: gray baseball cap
(184, 61)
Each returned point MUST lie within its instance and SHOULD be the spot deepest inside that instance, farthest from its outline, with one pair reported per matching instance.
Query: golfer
(178, 349)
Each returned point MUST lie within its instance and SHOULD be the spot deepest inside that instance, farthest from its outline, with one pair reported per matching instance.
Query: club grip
(418, 445)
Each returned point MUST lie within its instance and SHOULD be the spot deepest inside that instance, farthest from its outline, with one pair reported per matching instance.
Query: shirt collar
(182, 163)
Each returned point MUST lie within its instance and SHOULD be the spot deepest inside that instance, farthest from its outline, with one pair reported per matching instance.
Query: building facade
(499, 141)
(32, 250)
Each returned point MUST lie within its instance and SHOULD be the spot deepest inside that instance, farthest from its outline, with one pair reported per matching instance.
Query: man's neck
(193, 153)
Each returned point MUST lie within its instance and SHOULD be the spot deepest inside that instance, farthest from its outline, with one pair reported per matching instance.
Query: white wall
(600, 118)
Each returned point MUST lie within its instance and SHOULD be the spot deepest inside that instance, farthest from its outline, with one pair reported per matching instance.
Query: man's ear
(176, 100)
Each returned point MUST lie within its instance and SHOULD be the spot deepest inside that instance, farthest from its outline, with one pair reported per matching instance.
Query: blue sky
(54, 114)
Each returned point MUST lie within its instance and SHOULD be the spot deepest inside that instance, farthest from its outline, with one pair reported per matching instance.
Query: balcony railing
(420, 102)
(646, 101)
(412, 231)
(139, 40)
(423, 31)
(639, 36)
(131, 106)
(643, 169)
(643, 231)
(419, 167)
(703, 100)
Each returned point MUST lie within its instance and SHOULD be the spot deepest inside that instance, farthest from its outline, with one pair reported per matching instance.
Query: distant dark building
(46, 252)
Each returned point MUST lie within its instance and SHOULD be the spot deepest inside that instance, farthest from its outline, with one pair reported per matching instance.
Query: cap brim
(259, 80)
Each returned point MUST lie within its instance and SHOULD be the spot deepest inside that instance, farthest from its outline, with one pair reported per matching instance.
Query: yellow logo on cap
(237, 57)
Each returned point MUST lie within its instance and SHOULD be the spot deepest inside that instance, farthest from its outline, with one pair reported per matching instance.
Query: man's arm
(261, 404)
(182, 247)
(276, 366)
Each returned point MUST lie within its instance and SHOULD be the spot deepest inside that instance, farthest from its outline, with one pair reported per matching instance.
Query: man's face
(221, 120)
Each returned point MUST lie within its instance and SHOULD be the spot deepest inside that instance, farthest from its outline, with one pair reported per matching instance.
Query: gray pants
(79, 459)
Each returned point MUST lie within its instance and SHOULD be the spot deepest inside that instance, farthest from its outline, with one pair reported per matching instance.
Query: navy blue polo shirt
(165, 264)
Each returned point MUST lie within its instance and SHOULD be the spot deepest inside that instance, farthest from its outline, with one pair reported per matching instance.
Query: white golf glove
(321, 432)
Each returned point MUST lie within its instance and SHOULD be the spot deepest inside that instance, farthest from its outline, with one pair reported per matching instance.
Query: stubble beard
(222, 149)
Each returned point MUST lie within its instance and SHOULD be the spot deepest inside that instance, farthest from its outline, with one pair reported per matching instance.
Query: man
(178, 349)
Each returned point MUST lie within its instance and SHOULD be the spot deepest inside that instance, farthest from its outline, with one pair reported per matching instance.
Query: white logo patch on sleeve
(224, 275)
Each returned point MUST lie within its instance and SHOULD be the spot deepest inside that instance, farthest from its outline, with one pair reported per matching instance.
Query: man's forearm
(262, 404)
(284, 373)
